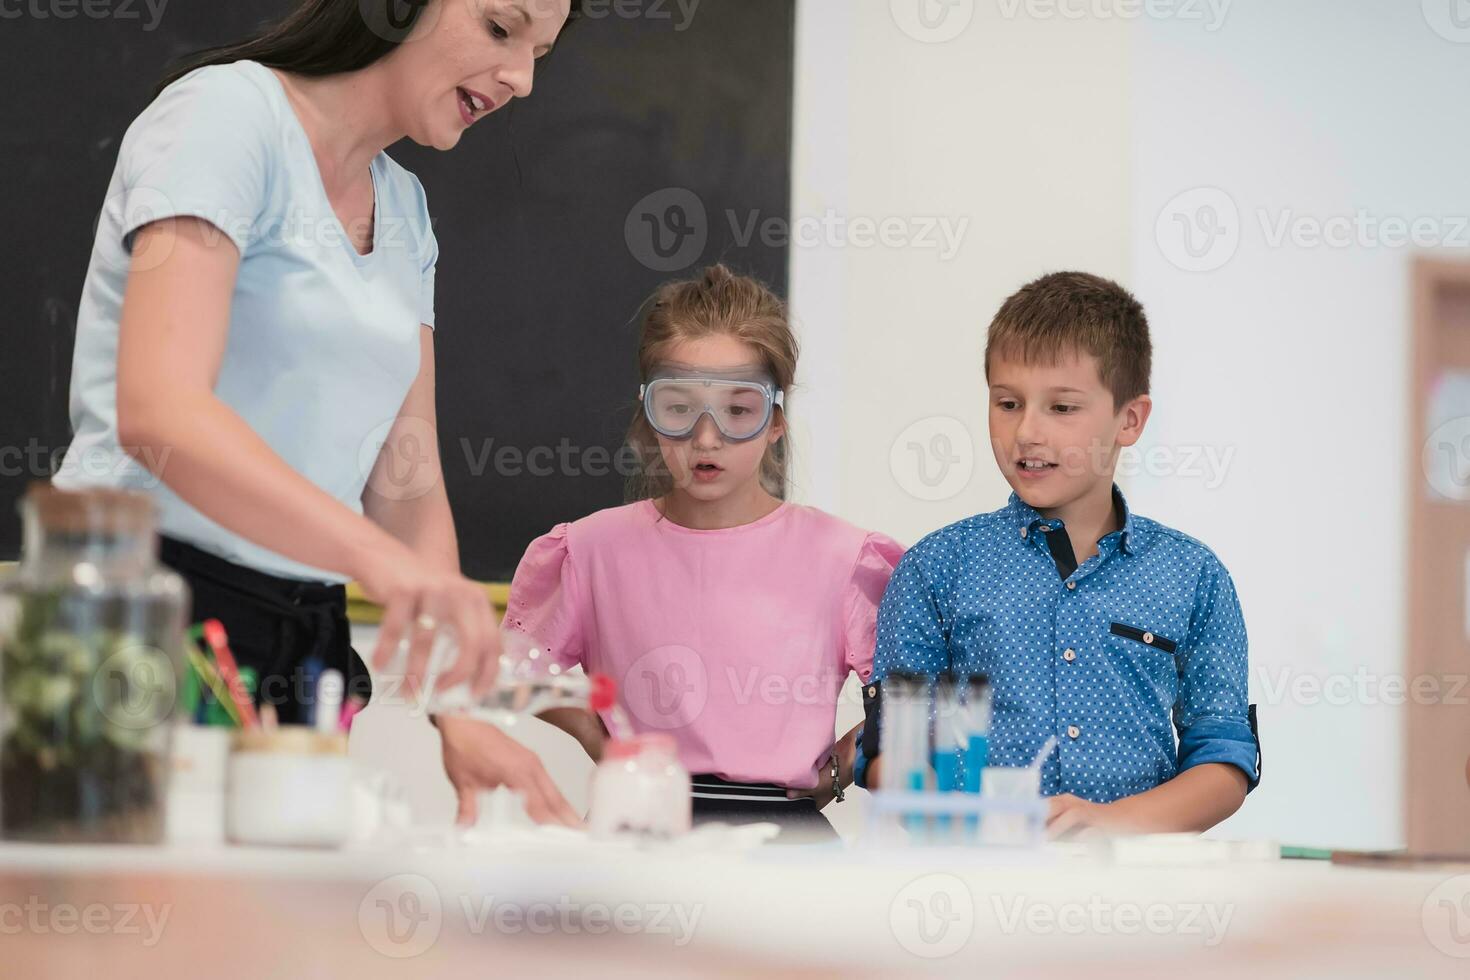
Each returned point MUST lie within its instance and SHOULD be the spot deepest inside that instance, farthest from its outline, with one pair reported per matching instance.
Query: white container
(196, 786)
(1015, 816)
(291, 787)
(640, 790)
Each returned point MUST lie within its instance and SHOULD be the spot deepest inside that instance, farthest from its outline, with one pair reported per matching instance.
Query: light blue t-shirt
(323, 341)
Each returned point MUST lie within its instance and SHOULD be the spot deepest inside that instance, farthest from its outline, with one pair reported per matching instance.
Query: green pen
(206, 709)
(215, 713)
(248, 677)
(188, 694)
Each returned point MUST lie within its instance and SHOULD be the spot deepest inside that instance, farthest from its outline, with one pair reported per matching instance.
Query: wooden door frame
(1431, 824)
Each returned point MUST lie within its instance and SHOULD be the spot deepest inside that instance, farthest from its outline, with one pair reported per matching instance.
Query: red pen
(214, 635)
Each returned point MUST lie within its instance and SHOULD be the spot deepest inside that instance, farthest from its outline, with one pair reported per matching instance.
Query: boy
(1095, 625)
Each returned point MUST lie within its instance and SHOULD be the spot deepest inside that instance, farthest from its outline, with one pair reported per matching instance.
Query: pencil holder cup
(290, 787)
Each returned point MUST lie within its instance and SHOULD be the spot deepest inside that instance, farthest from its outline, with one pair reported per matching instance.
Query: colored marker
(329, 688)
(349, 712)
(229, 671)
(215, 707)
(188, 694)
(311, 675)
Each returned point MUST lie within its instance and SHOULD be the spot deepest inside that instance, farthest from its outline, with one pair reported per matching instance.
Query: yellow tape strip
(361, 609)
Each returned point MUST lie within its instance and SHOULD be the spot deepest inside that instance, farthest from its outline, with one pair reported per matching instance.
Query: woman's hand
(419, 600)
(478, 756)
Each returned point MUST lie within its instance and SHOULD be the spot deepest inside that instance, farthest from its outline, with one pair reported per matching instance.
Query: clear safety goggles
(740, 407)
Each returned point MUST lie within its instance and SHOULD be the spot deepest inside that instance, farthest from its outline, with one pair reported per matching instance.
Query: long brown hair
(320, 37)
(717, 302)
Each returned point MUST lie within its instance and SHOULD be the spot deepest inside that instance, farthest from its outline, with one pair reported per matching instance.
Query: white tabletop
(556, 901)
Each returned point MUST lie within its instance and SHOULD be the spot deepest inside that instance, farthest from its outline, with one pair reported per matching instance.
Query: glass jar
(640, 789)
(91, 649)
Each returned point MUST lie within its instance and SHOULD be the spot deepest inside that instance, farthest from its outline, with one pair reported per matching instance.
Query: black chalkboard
(657, 138)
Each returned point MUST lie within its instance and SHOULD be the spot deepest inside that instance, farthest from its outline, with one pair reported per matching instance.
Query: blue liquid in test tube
(977, 742)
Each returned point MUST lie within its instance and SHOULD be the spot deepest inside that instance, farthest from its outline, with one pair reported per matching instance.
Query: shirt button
(1148, 637)
(872, 692)
(1023, 532)
(1072, 585)
(1073, 731)
(1069, 655)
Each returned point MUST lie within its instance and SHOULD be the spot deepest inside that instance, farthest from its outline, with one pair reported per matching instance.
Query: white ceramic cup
(291, 787)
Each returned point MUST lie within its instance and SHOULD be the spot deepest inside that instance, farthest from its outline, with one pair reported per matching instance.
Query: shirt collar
(1028, 520)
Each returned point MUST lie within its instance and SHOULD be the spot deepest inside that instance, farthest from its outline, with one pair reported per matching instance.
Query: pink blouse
(735, 641)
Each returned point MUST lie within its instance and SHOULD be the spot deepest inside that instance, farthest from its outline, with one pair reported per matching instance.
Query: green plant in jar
(90, 647)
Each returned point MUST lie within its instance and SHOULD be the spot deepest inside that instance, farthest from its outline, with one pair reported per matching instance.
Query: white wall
(1295, 356)
(1013, 135)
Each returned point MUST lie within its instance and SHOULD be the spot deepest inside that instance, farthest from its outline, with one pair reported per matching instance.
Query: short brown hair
(1075, 312)
(717, 301)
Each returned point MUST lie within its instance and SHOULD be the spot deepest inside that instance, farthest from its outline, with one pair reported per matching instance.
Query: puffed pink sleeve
(870, 574)
(545, 602)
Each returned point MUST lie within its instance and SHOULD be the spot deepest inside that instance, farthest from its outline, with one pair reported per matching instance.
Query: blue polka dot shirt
(1144, 641)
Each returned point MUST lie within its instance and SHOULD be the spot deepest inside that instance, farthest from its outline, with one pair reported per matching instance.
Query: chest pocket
(1151, 668)
(1144, 636)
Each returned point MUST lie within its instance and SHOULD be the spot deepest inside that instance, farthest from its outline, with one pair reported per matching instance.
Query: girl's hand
(478, 756)
(825, 792)
(419, 601)
(822, 794)
(582, 725)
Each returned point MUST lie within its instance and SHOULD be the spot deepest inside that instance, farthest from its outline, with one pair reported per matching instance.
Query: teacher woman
(255, 342)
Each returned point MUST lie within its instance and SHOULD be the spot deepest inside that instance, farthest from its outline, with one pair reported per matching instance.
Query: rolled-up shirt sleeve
(1212, 714)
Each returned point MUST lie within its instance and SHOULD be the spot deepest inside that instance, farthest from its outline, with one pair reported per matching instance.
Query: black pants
(716, 800)
(274, 626)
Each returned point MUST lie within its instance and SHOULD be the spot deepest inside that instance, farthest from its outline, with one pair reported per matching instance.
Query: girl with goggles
(741, 409)
(710, 577)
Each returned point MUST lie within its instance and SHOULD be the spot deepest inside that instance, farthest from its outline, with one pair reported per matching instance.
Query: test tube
(976, 712)
(905, 737)
(949, 738)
